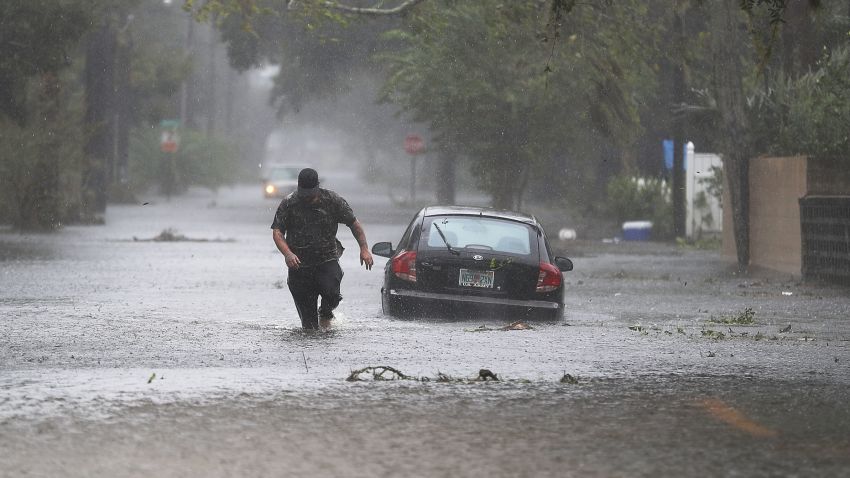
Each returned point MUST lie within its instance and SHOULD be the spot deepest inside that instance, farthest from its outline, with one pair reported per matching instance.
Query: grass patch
(703, 244)
(747, 317)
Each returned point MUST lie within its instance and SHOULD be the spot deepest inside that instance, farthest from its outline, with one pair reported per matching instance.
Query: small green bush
(210, 162)
(642, 199)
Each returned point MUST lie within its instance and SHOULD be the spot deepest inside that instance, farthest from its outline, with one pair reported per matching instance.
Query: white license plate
(469, 278)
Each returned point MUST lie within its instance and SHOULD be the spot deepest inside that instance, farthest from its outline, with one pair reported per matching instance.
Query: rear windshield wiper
(445, 241)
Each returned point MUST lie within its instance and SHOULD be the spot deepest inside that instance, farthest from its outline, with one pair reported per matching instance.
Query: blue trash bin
(637, 230)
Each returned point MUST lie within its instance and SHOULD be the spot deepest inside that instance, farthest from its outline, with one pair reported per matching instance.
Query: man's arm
(360, 236)
(292, 261)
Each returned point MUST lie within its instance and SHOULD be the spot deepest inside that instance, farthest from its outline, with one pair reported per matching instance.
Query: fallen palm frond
(378, 373)
(387, 373)
(744, 318)
(516, 325)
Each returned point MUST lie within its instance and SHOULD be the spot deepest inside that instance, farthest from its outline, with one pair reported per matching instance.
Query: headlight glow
(269, 189)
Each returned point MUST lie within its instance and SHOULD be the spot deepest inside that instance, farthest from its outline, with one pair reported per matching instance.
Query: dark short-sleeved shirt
(310, 228)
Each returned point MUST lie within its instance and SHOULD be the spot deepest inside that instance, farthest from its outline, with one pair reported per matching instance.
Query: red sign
(414, 144)
(169, 141)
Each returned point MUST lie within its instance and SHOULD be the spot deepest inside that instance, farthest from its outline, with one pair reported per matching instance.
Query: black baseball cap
(308, 182)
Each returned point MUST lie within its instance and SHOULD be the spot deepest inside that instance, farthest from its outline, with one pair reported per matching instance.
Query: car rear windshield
(284, 174)
(481, 233)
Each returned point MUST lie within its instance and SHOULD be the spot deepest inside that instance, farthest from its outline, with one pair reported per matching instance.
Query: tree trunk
(522, 184)
(228, 101)
(38, 195)
(728, 34)
(801, 50)
(123, 118)
(502, 186)
(99, 84)
(678, 176)
(446, 172)
(186, 89)
(211, 93)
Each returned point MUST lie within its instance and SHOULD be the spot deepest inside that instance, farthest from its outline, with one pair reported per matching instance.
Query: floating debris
(386, 373)
(517, 325)
(713, 334)
(378, 373)
(744, 318)
(383, 373)
(171, 235)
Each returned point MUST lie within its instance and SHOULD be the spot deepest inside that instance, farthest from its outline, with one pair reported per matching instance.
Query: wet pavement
(121, 356)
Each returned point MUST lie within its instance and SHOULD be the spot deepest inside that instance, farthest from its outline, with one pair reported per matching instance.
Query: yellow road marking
(725, 413)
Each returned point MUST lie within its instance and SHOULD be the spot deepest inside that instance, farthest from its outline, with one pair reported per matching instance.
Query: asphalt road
(121, 356)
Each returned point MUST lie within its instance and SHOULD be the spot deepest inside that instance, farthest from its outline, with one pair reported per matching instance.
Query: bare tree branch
(376, 11)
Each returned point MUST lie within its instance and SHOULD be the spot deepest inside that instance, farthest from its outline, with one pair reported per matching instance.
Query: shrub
(633, 198)
(806, 115)
(210, 162)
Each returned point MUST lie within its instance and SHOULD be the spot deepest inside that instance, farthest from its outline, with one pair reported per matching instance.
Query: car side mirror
(564, 264)
(383, 249)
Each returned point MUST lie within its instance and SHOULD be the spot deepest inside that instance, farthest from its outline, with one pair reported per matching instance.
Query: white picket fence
(704, 212)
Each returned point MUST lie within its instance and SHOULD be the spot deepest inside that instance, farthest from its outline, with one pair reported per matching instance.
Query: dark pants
(306, 285)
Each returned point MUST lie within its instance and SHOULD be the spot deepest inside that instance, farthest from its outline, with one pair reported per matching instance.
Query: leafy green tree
(41, 159)
(492, 90)
(40, 113)
(807, 115)
(37, 38)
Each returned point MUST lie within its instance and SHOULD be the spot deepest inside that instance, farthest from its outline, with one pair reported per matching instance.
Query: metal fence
(825, 227)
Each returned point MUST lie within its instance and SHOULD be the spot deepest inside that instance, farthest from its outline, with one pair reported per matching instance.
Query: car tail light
(549, 278)
(404, 266)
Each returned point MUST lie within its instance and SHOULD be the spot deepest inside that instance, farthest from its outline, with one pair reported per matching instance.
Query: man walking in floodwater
(304, 231)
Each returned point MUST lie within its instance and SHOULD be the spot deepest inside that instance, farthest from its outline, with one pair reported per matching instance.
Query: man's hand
(365, 255)
(366, 259)
(292, 261)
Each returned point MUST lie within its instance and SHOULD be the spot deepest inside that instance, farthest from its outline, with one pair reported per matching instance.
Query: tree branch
(686, 109)
(401, 8)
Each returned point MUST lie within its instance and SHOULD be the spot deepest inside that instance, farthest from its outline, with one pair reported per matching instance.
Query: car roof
(285, 166)
(479, 211)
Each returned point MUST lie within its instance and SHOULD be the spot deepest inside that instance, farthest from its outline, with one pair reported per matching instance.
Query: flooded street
(123, 356)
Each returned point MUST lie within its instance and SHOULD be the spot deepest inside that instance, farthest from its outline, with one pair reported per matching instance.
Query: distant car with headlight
(280, 179)
(472, 259)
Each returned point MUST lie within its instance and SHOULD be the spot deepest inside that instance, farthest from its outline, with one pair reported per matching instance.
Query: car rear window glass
(284, 174)
(481, 233)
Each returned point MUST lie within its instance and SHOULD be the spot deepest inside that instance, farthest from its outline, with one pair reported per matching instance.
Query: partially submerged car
(280, 179)
(456, 258)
